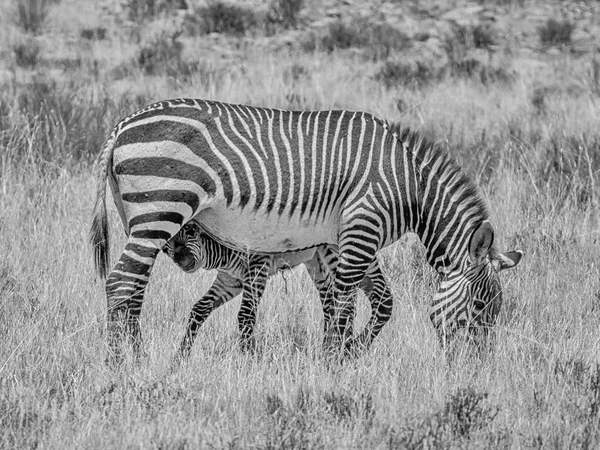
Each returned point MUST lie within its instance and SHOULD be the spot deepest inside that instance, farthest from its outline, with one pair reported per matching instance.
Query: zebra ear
(507, 260)
(481, 242)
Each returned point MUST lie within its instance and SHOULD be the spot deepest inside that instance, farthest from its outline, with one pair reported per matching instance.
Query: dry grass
(535, 153)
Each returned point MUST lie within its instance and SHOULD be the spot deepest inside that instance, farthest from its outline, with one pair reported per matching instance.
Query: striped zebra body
(192, 249)
(273, 181)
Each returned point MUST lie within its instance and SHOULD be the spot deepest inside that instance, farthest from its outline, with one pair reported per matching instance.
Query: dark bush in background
(219, 17)
(285, 12)
(378, 39)
(556, 32)
(141, 10)
(26, 53)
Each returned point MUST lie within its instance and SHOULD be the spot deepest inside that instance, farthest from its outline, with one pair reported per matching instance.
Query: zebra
(192, 249)
(272, 181)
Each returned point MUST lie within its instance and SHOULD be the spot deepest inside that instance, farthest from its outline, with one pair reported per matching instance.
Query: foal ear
(507, 260)
(481, 242)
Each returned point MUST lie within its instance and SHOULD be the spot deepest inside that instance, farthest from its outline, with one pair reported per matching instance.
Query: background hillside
(510, 88)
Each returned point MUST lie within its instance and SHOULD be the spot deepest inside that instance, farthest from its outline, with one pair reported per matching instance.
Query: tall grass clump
(58, 123)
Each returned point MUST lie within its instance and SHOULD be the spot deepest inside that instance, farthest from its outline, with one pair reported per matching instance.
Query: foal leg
(224, 288)
(254, 283)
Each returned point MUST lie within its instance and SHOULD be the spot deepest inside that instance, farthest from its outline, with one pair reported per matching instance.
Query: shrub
(93, 34)
(484, 36)
(403, 73)
(556, 32)
(165, 50)
(163, 56)
(467, 59)
(26, 53)
(140, 10)
(380, 39)
(31, 14)
(285, 12)
(222, 18)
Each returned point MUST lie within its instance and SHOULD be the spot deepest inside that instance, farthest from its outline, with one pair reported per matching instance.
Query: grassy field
(523, 120)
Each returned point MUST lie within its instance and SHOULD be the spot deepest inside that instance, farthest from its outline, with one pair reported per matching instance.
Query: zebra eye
(479, 304)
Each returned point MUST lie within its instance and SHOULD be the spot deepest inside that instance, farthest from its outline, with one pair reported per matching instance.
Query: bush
(31, 14)
(164, 51)
(484, 36)
(466, 58)
(380, 39)
(163, 56)
(93, 34)
(556, 32)
(222, 18)
(285, 12)
(403, 73)
(26, 53)
(140, 10)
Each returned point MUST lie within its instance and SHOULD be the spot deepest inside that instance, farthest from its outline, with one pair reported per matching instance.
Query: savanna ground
(511, 89)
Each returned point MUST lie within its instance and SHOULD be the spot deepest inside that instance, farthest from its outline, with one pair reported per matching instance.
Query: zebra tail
(99, 236)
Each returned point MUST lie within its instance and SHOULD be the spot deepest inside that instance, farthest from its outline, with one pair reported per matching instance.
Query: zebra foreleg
(377, 290)
(358, 243)
(224, 288)
(254, 283)
(125, 287)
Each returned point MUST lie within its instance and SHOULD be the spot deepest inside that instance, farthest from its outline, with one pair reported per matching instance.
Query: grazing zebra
(273, 181)
(192, 249)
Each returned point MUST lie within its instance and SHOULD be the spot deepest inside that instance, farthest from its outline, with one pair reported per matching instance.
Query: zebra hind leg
(125, 287)
(224, 288)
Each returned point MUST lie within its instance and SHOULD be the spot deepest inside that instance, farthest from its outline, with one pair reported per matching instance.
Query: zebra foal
(192, 249)
(274, 181)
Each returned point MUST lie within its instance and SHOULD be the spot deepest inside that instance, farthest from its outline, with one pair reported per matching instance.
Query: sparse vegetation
(533, 146)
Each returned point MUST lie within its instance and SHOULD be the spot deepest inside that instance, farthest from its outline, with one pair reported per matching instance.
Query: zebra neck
(450, 209)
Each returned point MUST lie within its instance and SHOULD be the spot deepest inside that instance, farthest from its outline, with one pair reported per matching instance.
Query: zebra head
(187, 248)
(470, 295)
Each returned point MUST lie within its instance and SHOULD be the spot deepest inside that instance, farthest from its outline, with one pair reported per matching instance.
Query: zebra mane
(428, 150)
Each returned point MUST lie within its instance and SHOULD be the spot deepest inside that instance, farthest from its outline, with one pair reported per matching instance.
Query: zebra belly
(259, 232)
